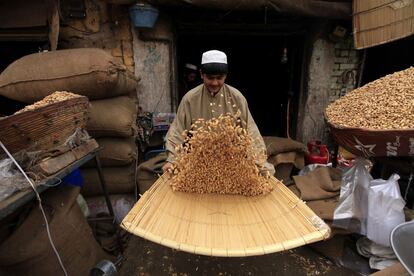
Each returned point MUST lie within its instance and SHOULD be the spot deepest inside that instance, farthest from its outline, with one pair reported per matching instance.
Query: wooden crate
(45, 127)
(52, 165)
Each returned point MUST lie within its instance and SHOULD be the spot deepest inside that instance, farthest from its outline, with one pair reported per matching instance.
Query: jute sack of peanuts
(219, 156)
(376, 119)
(102, 112)
(90, 72)
(384, 104)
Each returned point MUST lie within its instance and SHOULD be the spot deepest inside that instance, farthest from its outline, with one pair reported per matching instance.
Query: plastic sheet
(380, 257)
(121, 205)
(369, 207)
(11, 180)
(385, 209)
(78, 137)
(311, 167)
(352, 210)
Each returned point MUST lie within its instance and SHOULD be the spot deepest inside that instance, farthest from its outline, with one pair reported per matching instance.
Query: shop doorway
(265, 68)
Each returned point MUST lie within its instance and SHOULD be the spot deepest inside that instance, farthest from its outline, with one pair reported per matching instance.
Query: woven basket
(379, 143)
(45, 127)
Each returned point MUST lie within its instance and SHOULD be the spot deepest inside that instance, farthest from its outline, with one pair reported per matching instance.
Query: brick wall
(332, 72)
(344, 75)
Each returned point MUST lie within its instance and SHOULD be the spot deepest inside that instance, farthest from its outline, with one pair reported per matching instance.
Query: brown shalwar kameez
(200, 103)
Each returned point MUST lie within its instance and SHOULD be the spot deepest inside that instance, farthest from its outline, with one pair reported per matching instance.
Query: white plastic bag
(121, 205)
(380, 257)
(385, 209)
(11, 180)
(311, 167)
(352, 210)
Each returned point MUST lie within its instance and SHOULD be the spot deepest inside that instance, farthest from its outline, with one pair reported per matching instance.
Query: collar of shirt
(213, 95)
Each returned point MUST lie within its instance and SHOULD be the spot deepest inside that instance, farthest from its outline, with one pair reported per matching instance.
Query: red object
(317, 153)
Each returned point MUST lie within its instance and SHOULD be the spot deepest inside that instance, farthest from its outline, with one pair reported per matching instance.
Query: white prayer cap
(214, 56)
(191, 66)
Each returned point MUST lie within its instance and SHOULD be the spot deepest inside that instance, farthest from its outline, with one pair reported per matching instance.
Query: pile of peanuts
(384, 104)
(55, 97)
(218, 156)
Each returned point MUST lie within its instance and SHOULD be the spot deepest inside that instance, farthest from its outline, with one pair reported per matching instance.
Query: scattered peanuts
(386, 103)
(219, 156)
(52, 98)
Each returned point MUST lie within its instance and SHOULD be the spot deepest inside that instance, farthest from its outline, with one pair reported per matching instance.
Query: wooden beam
(322, 9)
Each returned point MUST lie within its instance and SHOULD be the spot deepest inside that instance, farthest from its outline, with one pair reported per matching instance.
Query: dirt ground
(146, 258)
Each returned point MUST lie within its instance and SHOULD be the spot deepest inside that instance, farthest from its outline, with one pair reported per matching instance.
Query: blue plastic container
(73, 179)
(143, 15)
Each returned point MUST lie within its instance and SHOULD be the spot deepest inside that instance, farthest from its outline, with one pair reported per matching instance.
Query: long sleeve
(199, 104)
(174, 135)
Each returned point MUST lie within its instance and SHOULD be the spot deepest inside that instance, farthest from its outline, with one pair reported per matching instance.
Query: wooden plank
(86, 148)
(53, 165)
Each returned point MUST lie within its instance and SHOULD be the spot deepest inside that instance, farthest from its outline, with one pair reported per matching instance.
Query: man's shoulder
(193, 93)
(236, 92)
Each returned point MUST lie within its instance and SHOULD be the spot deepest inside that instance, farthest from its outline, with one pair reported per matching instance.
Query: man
(190, 77)
(209, 100)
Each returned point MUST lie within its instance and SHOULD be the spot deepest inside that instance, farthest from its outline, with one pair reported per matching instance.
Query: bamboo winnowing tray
(224, 225)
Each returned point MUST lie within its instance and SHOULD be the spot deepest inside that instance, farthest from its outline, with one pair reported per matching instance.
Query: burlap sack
(323, 208)
(148, 172)
(113, 117)
(284, 163)
(87, 71)
(318, 184)
(119, 180)
(28, 251)
(115, 152)
(276, 145)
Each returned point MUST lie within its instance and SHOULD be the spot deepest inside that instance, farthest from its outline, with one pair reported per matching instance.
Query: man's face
(191, 77)
(213, 82)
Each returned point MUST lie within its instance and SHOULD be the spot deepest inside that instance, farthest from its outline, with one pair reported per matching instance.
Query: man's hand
(167, 166)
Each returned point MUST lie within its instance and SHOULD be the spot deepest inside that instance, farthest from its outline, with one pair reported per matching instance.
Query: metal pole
(103, 186)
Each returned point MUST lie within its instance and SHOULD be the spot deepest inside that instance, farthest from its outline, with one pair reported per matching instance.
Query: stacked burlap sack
(149, 171)
(285, 155)
(113, 106)
(320, 189)
(112, 123)
(90, 72)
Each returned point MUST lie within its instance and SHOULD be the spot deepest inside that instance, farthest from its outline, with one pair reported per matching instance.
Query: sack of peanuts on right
(376, 119)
